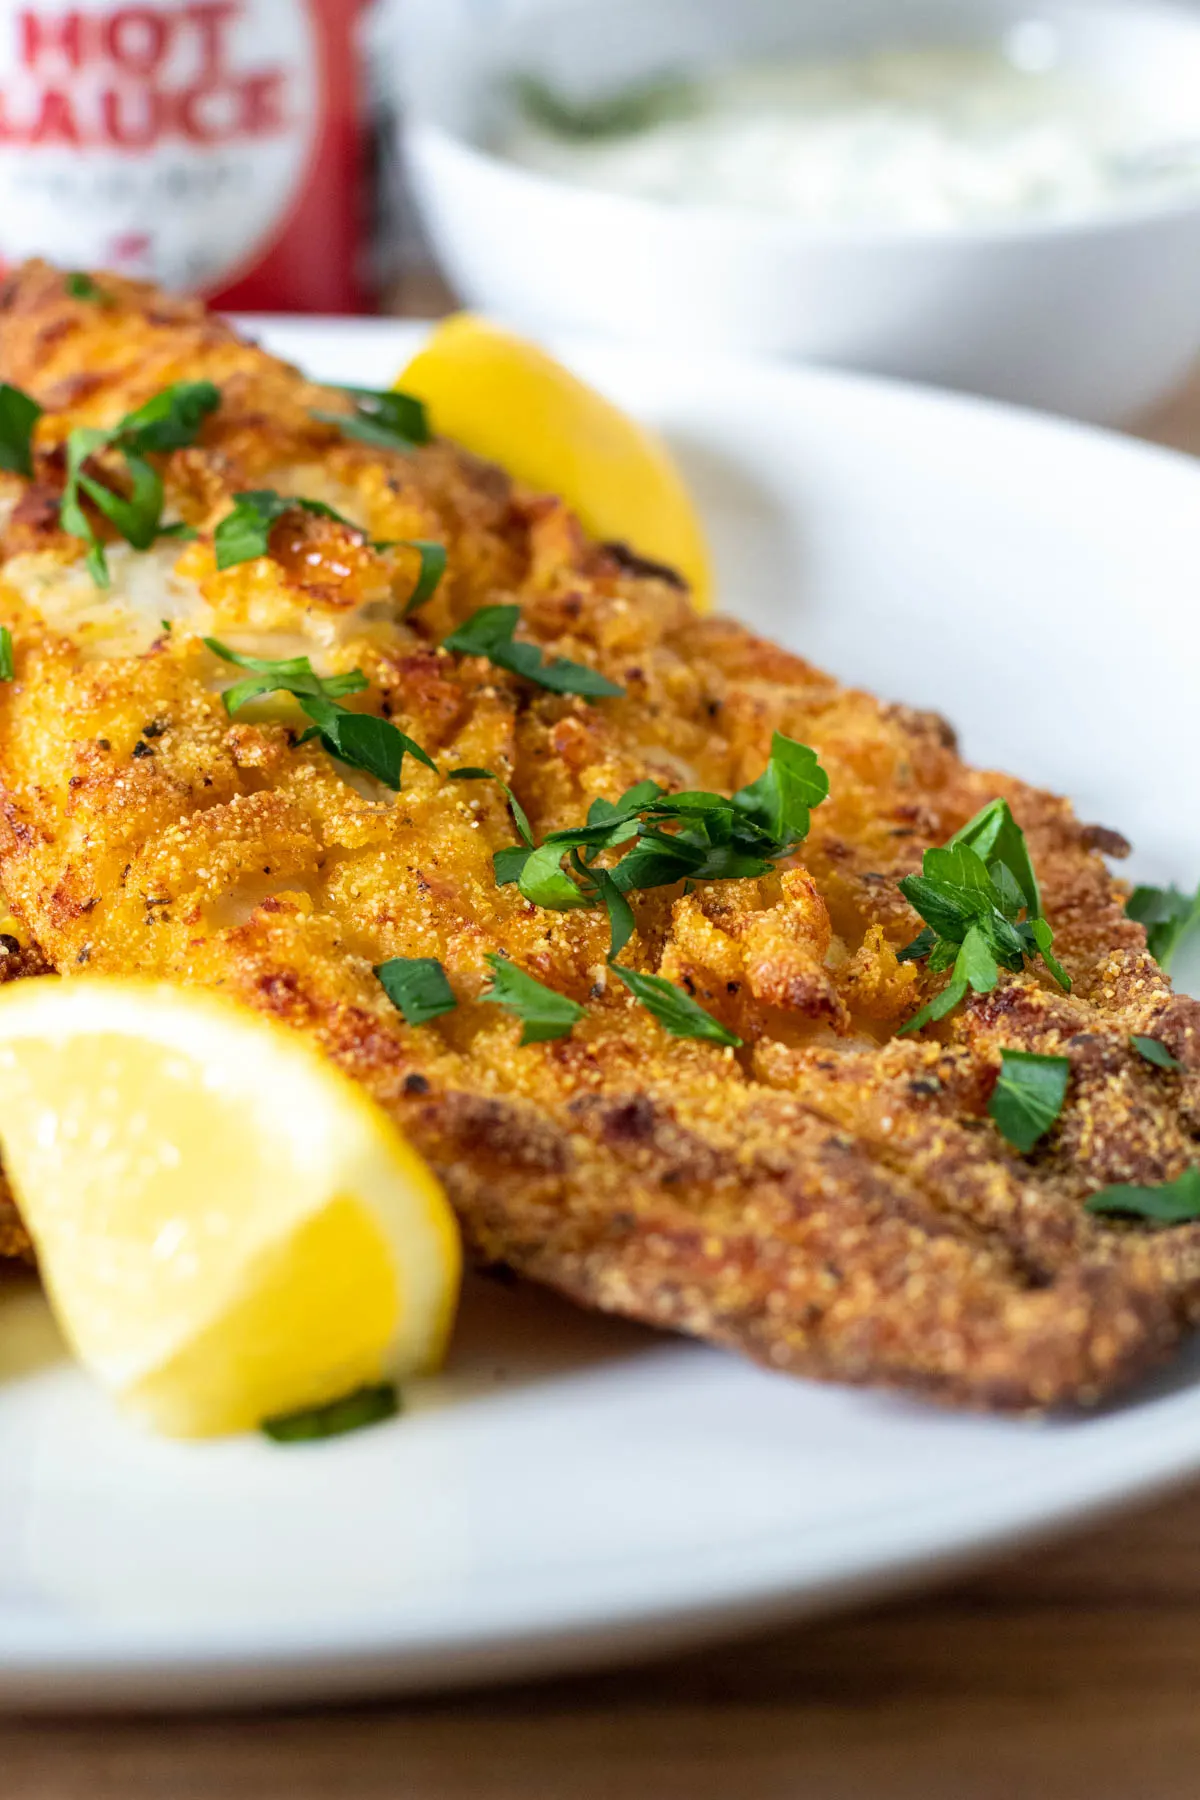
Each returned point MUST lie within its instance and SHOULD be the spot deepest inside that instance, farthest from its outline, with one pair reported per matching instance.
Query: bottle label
(172, 139)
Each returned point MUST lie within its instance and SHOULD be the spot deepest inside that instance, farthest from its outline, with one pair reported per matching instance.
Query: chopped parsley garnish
(368, 1405)
(544, 1013)
(364, 742)
(629, 110)
(520, 816)
(387, 419)
(417, 987)
(1169, 917)
(292, 675)
(621, 921)
(714, 838)
(433, 567)
(1029, 1095)
(6, 654)
(972, 894)
(489, 633)
(360, 739)
(675, 1011)
(245, 532)
(1155, 1051)
(80, 286)
(19, 413)
(169, 420)
(1171, 1203)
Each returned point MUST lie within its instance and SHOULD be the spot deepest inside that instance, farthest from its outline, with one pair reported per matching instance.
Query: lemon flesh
(507, 400)
(227, 1227)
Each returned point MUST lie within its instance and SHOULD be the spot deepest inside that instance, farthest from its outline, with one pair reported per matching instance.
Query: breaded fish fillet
(830, 1199)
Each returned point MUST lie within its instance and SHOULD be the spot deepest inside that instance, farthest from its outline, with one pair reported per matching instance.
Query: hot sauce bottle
(214, 146)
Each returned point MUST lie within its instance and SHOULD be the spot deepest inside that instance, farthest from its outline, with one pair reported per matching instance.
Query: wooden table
(1069, 1673)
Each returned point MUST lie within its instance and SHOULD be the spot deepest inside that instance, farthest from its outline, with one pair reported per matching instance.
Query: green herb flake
(1029, 1096)
(375, 746)
(383, 417)
(19, 413)
(1155, 1051)
(972, 894)
(621, 921)
(169, 420)
(544, 1013)
(417, 987)
(245, 532)
(714, 838)
(368, 1405)
(520, 816)
(429, 575)
(621, 114)
(780, 802)
(1171, 1203)
(1170, 918)
(675, 1011)
(80, 286)
(489, 633)
(290, 675)
(6, 654)
(361, 740)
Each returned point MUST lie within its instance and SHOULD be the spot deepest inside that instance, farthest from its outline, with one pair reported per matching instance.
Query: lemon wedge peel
(227, 1226)
(506, 399)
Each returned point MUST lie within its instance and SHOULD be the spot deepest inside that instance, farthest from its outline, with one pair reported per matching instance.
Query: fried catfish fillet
(830, 1199)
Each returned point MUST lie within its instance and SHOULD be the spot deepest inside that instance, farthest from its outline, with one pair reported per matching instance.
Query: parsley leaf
(1155, 1051)
(716, 839)
(19, 413)
(971, 894)
(675, 1011)
(6, 654)
(383, 417)
(433, 567)
(1170, 1203)
(80, 286)
(621, 922)
(136, 515)
(369, 1405)
(417, 987)
(489, 633)
(630, 110)
(245, 532)
(374, 745)
(544, 1013)
(169, 420)
(289, 675)
(1169, 916)
(1029, 1096)
(780, 801)
(520, 816)
(995, 837)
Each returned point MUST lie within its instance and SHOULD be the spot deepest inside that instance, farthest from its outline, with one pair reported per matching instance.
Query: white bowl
(1097, 317)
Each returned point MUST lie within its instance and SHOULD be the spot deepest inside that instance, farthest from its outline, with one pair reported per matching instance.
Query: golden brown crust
(830, 1199)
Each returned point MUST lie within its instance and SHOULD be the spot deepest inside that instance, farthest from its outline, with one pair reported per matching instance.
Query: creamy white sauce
(929, 139)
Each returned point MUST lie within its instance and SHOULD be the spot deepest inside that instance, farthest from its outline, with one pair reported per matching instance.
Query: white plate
(575, 1488)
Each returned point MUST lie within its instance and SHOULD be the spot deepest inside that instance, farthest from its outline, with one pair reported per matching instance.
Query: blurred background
(996, 195)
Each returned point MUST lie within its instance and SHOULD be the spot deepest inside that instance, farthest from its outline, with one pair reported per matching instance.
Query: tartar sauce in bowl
(929, 139)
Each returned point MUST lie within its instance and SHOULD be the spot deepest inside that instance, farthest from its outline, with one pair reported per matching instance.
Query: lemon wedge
(228, 1229)
(507, 400)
